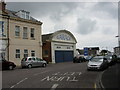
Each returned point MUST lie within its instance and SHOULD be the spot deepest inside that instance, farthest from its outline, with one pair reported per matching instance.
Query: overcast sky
(92, 23)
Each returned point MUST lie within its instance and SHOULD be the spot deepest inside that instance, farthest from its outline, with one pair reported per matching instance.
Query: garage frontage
(63, 56)
(59, 46)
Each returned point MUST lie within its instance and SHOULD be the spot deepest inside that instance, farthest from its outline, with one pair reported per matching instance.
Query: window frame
(33, 53)
(17, 31)
(25, 33)
(25, 53)
(17, 54)
(32, 33)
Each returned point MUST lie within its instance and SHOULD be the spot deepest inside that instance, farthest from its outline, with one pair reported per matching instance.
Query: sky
(93, 23)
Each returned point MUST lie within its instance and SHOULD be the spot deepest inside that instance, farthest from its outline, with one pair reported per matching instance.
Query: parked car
(88, 58)
(97, 63)
(78, 59)
(33, 62)
(118, 59)
(7, 64)
(111, 59)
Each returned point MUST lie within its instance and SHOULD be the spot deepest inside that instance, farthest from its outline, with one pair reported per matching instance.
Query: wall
(20, 43)
(47, 46)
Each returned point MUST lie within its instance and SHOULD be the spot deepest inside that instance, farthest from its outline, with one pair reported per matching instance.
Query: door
(63, 56)
(59, 56)
(68, 56)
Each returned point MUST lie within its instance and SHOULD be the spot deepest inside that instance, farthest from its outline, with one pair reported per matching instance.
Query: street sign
(85, 51)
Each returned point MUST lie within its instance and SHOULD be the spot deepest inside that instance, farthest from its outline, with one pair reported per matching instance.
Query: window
(27, 15)
(46, 52)
(17, 53)
(2, 34)
(17, 30)
(33, 53)
(25, 53)
(32, 33)
(25, 35)
(23, 15)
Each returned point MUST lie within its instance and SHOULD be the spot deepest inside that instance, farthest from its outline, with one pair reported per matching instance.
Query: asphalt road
(61, 75)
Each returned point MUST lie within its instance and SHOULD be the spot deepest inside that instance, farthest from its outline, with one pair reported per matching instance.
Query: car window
(37, 59)
(33, 59)
(24, 59)
(30, 59)
(97, 60)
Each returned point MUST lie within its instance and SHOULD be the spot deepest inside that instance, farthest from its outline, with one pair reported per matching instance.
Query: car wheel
(10, 67)
(29, 66)
(44, 65)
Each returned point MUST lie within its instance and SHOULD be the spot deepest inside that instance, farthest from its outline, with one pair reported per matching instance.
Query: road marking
(95, 86)
(40, 73)
(19, 82)
(54, 86)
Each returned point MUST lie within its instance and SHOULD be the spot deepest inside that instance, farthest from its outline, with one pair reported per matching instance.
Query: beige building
(20, 35)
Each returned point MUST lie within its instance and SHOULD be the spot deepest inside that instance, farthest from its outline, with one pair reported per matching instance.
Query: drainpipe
(8, 37)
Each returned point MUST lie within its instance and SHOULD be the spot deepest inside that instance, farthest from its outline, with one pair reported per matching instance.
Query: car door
(105, 61)
(33, 62)
(4, 64)
(38, 61)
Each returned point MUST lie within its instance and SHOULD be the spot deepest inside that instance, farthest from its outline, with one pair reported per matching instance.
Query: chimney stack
(2, 5)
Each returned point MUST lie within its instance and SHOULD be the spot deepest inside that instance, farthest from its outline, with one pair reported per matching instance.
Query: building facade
(59, 46)
(91, 51)
(20, 35)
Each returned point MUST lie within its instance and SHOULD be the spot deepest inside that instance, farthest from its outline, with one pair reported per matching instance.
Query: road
(60, 75)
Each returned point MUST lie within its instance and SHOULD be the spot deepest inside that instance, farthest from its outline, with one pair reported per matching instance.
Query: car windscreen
(97, 60)
(24, 59)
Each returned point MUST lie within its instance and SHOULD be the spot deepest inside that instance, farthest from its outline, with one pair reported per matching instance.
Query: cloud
(107, 7)
(86, 26)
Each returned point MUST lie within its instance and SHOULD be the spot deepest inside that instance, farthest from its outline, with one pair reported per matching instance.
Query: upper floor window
(2, 34)
(17, 31)
(32, 35)
(27, 15)
(25, 33)
(23, 14)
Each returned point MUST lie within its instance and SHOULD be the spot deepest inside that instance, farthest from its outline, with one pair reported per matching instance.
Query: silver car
(97, 63)
(33, 62)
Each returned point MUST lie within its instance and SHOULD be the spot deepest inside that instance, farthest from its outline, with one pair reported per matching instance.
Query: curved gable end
(63, 36)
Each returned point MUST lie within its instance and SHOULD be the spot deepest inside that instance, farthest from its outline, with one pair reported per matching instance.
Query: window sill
(32, 38)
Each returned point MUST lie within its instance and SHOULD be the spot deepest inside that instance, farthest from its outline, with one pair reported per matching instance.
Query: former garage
(59, 46)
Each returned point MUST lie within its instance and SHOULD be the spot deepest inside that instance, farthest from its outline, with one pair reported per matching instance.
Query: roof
(13, 14)
(48, 37)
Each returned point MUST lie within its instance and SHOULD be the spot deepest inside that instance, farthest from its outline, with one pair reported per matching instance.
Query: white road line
(54, 86)
(40, 73)
(18, 82)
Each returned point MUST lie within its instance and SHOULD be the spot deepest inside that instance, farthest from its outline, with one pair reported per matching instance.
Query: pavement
(110, 79)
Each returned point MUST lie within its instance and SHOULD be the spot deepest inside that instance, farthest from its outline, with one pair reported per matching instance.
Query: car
(111, 59)
(33, 62)
(7, 65)
(118, 59)
(78, 59)
(97, 63)
(88, 58)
